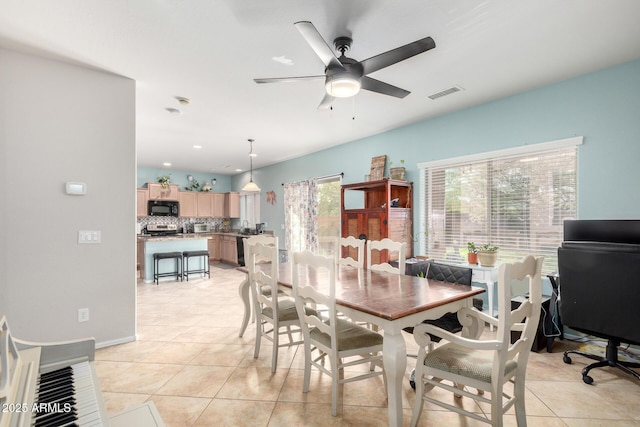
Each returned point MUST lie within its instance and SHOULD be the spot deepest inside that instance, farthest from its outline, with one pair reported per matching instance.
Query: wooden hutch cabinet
(368, 213)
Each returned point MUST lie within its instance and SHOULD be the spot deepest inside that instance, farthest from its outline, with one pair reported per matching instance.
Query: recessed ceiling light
(166, 164)
(197, 147)
(282, 60)
(238, 170)
(174, 111)
(253, 155)
(183, 101)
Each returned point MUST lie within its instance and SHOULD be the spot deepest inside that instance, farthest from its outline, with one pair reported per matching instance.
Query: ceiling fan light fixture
(342, 86)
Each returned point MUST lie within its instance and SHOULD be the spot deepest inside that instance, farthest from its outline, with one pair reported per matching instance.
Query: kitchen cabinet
(157, 192)
(229, 249)
(205, 204)
(214, 248)
(140, 258)
(232, 205)
(188, 203)
(218, 205)
(368, 213)
(142, 197)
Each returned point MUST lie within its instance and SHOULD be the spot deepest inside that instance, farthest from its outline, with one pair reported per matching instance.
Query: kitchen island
(171, 243)
(222, 246)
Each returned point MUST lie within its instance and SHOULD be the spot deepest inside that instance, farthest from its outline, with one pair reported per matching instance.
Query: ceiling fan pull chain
(353, 109)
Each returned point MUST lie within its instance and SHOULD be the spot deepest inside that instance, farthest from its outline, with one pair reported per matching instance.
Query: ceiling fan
(344, 77)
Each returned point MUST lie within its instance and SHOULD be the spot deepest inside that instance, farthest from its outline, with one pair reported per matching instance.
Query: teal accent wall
(602, 106)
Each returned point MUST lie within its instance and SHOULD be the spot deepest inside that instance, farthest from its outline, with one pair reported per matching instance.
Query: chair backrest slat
(390, 246)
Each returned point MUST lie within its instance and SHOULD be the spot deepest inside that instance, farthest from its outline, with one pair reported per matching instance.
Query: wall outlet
(83, 315)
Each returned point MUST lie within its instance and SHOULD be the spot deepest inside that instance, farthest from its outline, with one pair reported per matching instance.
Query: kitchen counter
(192, 236)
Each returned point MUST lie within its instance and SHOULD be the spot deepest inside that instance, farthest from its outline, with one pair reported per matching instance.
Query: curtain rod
(324, 177)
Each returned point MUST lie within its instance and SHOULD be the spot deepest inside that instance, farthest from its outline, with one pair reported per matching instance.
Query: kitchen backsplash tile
(214, 223)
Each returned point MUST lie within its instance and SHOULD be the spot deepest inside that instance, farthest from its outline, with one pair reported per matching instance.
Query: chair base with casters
(610, 359)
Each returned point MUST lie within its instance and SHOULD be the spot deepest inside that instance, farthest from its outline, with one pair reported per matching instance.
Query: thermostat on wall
(76, 188)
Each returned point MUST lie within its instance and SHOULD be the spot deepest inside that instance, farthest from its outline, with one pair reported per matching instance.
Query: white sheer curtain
(300, 215)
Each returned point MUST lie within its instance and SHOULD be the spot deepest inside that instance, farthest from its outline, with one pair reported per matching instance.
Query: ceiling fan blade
(317, 43)
(396, 55)
(287, 79)
(374, 85)
(326, 102)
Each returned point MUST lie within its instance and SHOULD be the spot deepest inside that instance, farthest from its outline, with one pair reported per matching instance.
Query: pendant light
(251, 187)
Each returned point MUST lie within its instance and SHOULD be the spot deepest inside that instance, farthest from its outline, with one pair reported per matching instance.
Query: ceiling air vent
(445, 92)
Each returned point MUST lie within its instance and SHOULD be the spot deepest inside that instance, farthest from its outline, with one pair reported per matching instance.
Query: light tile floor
(191, 363)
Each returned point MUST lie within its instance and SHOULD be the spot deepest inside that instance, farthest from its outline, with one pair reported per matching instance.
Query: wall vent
(445, 92)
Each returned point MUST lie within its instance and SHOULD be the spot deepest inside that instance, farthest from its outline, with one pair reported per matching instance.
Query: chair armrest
(421, 335)
(473, 322)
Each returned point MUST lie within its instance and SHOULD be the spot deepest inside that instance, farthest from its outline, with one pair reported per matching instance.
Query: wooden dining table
(390, 301)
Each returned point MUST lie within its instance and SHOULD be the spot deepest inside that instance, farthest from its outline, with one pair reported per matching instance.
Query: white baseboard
(116, 342)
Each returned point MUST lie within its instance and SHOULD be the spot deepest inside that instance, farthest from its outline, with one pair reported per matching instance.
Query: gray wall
(60, 123)
(603, 106)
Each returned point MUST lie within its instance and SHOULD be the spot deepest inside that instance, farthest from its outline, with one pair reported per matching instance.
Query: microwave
(162, 208)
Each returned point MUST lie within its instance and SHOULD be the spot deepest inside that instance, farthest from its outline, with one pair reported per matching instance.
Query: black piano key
(67, 371)
(56, 419)
(52, 395)
(54, 385)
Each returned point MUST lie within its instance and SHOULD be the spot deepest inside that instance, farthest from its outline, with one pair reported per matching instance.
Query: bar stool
(191, 254)
(167, 255)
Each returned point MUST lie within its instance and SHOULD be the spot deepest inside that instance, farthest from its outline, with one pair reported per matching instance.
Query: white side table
(489, 276)
(486, 275)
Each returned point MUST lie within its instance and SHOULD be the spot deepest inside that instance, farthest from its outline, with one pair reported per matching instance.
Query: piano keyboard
(56, 385)
(66, 397)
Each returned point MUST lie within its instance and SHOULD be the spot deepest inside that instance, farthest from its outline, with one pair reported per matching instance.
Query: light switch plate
(89, 236)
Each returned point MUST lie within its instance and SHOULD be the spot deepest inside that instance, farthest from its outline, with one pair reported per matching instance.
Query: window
(328, 214)
(516, 199)
(249, 209)
(312, 214)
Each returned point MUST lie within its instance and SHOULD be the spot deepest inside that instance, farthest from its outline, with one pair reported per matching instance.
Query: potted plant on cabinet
(165, 180)
(488, 255)
(472, 254)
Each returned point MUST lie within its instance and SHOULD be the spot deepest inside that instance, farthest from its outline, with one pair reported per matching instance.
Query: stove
(162, 229)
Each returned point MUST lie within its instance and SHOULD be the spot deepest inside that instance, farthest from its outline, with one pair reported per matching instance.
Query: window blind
(514, 200)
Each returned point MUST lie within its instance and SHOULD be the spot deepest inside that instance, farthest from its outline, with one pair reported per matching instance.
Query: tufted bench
(167, 255)
(205, 268)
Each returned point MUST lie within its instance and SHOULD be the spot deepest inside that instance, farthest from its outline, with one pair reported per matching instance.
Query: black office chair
(599, 267)
(449, 322)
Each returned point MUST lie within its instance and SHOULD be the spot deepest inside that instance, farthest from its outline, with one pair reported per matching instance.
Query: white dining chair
(352, 244)
(330, 335)
(273, 311)
(487, 365)
(390, 246)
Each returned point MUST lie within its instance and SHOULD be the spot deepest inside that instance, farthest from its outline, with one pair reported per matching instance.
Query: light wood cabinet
(188, 203)
(157, 192)
(140, 258)
(214, 247)
(229, 249)
(205, 204)
(232, 205)
(376, 218)
(142, 197)
(218, 205)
